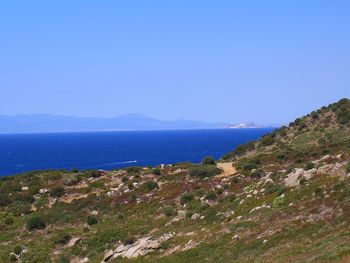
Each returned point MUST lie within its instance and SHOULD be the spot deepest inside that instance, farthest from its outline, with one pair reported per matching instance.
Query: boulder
(141, 247)
(74, 241)
(108, 255)
(293, 178)
(195, 216)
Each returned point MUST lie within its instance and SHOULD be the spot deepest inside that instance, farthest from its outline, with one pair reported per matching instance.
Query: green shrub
(131, 186)
(276, 188)
(125, 179)
(8, 221)
(219, 191)
(91, 220)
(18, 208)
(267, 140)
(150, 186)
(62, 238)
(57, 191)
(208, 160)
(36, 222)
(203, 171)
(133, 197)
(211, 195)
(13, 258)
(33, 190)
(257, 173)
(302, 181)
(63, 259)
(199, 192)
(234, 180)
(309, 165)
(186, 198)
(248, 166)
(347, 167)
(156, 171)
(318, 191)
(169, 211)
(133, 169)
(17, 250)
(278, 201)
(4, 198)
(339, 186)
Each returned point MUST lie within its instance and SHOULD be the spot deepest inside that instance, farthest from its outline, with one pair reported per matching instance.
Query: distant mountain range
(55, 123)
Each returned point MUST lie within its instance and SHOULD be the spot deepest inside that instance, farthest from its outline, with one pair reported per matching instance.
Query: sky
(215, 61)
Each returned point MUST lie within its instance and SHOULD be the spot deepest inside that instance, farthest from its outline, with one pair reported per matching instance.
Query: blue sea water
(108, 150)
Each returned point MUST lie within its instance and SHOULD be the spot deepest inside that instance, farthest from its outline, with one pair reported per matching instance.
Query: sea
(110, 150)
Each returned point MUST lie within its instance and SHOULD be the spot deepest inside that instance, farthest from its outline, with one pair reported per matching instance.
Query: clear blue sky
(233, 61)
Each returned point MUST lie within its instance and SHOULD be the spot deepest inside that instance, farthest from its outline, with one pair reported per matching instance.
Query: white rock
(195, 216)
(74, 241)
(108, 255)
(94, 213)
(235, 237)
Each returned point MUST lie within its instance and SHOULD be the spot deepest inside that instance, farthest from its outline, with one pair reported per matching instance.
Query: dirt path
(227, 168)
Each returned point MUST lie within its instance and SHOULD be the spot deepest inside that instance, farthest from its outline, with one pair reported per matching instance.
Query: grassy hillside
(285, 198)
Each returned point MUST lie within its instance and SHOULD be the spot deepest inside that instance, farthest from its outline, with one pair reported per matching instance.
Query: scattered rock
(74, 241)
(141, 247)
(195, 216)
(235, 237)
(43, 191)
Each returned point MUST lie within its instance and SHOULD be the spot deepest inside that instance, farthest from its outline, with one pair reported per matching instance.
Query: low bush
(208, 160)
(8, 221)
(156, 171)
(211, 195)
(309, 165)
(33, 190)
(267, 140)
(35, 222)
(63, 259)
(133, 197)
(133, 169)
(150, 186)
(318, 191)
(203, 171)
(13, 258)
(276, 188)
(18, 208)
(257, 173)
(186, 198)
(91, 220)
(57, 191)
(17, 250)
(169, 211)
(347, 167)
(278, 201)
(62, 238)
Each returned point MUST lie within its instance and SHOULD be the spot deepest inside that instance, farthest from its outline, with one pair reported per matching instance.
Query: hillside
(283, 198)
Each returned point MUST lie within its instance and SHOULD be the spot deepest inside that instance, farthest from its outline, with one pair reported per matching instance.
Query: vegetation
(35, 222)
(225, 218)
(202, 171)
(208, 161)
(57, 191)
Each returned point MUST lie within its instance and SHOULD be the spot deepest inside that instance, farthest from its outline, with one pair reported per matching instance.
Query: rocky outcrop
(141, 247)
